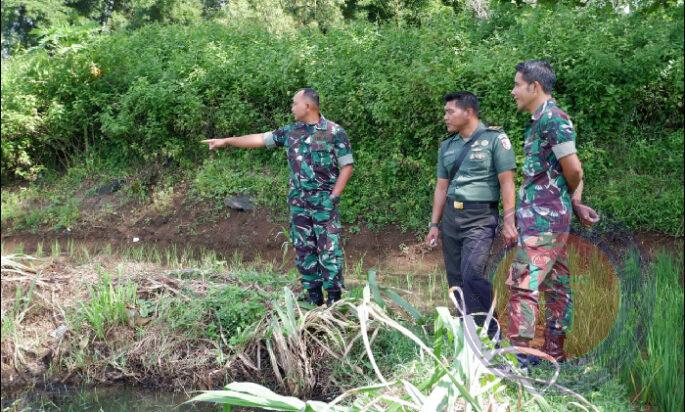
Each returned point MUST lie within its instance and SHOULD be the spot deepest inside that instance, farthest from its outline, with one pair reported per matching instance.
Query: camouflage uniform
(544, 218)
(316, 153)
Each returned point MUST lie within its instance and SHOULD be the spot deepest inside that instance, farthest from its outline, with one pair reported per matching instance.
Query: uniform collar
(322, 124)
(480, 127)
(542, 108)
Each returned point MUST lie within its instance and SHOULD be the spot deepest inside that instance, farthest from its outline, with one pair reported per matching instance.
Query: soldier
(552, 188)
(320, 161)
(476, 165)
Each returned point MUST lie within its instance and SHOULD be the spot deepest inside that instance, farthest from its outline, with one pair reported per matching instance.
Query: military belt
(459, 204)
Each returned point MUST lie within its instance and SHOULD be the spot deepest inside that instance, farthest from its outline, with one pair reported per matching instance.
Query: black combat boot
(554, 345)
(315, 296)
(526, 361)
(333, 296)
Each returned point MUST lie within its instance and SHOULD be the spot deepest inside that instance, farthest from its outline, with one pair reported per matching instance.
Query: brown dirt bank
(257, 235)
(260, 234)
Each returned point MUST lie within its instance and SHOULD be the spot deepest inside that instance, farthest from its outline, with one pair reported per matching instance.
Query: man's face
(300, 106)
(455, 117)
(523, 92)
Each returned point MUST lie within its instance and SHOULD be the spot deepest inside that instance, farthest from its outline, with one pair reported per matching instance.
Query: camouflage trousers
(315, 231)
(540, 265)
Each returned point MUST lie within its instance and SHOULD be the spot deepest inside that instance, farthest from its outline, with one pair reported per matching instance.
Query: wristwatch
(335, 199)
(431, 225)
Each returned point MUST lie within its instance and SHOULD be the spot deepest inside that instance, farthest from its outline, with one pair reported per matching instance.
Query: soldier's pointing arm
(251, 141)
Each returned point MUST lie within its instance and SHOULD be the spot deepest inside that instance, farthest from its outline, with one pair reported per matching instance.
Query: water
(117, 398)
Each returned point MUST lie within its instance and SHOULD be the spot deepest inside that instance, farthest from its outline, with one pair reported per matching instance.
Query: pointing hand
(214, 143)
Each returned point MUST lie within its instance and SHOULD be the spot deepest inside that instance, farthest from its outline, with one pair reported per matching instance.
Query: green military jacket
(477, 179)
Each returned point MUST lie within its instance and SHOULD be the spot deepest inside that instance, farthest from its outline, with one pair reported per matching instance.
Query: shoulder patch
(492, 132)
(504, 140)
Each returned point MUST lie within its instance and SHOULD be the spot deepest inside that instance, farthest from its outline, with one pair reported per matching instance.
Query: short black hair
(464, 100)
(538, 71)
(311, 94)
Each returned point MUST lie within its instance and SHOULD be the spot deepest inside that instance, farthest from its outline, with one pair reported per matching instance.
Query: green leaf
(261, 398)
(414, 392)
(375, 290)
(408, 307)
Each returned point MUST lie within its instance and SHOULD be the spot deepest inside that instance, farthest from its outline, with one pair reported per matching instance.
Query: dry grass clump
(107, 320)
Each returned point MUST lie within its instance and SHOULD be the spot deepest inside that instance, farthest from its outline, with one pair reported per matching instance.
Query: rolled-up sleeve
(276, 138)
(343, 148)
(564, 149)
(269, 139)
(559, 131)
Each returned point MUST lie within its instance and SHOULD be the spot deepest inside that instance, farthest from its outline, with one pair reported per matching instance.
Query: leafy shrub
(152, 94)
(224, 314)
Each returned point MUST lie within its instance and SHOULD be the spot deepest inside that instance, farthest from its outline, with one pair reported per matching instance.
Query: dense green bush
(212, 317)
(152, 94)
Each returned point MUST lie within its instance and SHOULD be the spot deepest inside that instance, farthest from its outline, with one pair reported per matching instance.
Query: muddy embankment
(41, 300)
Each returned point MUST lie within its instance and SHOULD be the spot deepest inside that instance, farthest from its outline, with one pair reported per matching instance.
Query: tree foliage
(153, 93)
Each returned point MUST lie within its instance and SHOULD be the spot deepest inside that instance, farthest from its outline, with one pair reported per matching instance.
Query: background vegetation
(97, 92)
(141, 82)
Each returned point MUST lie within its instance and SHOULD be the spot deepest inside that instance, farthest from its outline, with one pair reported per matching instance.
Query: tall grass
(14, 268)
(459, 378)
(644, 348)
(108, 304)
(595, 286)
(658, 374)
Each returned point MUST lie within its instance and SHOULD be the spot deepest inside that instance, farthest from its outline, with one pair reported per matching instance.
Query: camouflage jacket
(545, 202)
(316, 153)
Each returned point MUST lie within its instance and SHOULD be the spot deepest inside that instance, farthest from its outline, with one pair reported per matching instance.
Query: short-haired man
(320, 161)
(552, 189)
(476, 166)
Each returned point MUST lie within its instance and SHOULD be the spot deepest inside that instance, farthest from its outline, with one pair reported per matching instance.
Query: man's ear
(538, 87)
